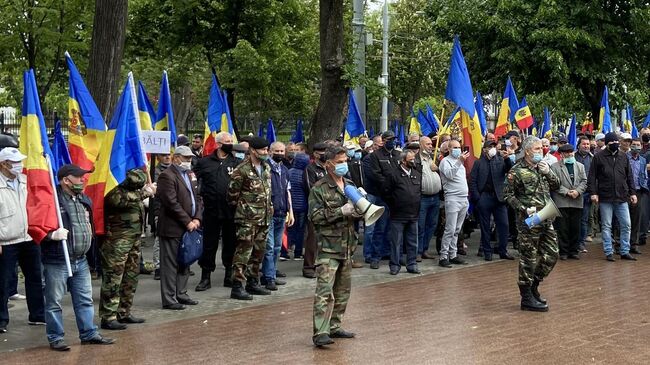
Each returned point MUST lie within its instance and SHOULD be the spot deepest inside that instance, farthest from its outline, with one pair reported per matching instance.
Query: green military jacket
(251, 193)
(334, 232)
(123, 206)
(526, 187)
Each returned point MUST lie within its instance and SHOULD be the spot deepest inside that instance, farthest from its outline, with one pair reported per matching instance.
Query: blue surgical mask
(357, 155)
(341, 169)
(537, 157)
(455, 152)
(553, 148)
(240, 155)
(512, 158)
(350, 153)
(570, 160)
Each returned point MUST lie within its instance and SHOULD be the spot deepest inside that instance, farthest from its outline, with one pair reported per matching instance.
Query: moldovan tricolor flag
(121, 151)
(509, 106)
(354, 127)
(217, 117)
(523, 116)
(605, 121)
(146, 110)
(165, 115)
(41, 209)
(86, 125)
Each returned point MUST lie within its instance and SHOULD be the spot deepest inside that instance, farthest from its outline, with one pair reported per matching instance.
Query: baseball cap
(71, 170)
(600, 136)
(11, 154)
(183, 151)
(626, 136)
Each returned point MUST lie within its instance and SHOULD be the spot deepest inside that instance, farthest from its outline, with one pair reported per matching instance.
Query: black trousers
(568, 230)
(213, 229)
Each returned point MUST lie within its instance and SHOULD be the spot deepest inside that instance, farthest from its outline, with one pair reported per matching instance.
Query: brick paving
(598, 315)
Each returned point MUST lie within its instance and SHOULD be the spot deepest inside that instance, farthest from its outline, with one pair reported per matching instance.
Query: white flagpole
(58, 215)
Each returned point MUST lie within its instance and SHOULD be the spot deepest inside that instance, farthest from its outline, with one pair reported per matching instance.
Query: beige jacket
(13, 212)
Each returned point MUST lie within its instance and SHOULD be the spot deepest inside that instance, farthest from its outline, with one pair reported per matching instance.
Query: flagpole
(442, 120)
(64, 242)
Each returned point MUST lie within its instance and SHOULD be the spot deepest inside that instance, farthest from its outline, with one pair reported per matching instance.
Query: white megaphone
(370, 211)
(549, 211)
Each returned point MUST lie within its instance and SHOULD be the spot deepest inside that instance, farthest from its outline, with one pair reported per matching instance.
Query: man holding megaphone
(527, 190)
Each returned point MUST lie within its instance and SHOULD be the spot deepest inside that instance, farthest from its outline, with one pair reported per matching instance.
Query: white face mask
(185, 166)
(492, 152)
(16, 168)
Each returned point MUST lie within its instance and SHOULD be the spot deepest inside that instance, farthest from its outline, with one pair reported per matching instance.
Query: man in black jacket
(314, 172)
(403, 193)
(213, 173)
(354, 164)
(486, 192)
(611, 185)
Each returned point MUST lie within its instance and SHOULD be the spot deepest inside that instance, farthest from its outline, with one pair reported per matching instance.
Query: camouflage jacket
(526, 187)
(334, 232)
(251, 193)
(123, 207)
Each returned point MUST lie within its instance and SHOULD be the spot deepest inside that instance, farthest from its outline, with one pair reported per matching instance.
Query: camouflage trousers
(251, 246)
(120, 259)
(332, 294)
(538, 251)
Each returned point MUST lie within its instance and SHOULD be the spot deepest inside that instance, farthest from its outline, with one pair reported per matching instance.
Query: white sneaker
(17, 297)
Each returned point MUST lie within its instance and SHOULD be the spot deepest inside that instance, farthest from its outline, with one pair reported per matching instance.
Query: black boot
(528, 301)
(253, 287)
(204, 284)
(238, 292)
(227, 279)
(535, 292)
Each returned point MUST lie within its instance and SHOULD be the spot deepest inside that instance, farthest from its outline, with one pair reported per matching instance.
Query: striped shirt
(81, 230)
(431, 183)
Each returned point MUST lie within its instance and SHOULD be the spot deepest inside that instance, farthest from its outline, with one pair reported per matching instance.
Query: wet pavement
(466, 315)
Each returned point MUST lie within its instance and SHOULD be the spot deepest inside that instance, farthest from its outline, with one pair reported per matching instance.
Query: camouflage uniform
(120, 251)
(538, 249)
(251, 192)
(337, 241)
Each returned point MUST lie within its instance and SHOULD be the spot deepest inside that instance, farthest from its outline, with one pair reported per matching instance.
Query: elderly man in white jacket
(16, 246)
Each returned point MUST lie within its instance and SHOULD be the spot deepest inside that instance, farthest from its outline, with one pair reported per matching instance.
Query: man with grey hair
(413, 137)
(213, 173)
(430, 202)
(527, 191)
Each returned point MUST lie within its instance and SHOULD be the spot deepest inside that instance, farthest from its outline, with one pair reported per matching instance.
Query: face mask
(16, 168)
(512, 158)
(645, 138)
(455, 152)
(349, 153)
(227, 147)
(76, 188)
(570, 160)
(410, 164)
(592, 149)
(636, 150)
(185, 166)
(277, 157)
(341, 169)
(508, 143)
(357, 155)
(492, 152)
(291, 155)
(545, 150)
(240, 155)
(322, 158)
(263, 157)
(613, 147)
(390, 144)
(165, 165)
(553, 148)
(537, 157)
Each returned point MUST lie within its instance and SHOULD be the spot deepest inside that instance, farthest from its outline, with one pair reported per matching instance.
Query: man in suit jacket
(568, 198)
(181, 210)
(486, 192)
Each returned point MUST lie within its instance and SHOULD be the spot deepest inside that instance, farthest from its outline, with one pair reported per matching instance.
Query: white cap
(368, 144)
(600, 136)
(626, 136)
(11, 154)
(183, 151)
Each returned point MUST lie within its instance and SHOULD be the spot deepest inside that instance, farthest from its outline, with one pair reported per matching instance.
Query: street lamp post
(383, 121)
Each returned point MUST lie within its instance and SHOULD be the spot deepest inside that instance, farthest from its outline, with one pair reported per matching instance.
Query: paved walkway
(468, 315)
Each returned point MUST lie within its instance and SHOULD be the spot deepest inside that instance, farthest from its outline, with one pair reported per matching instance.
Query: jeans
(584, 222)
(296, 232)
(273, 245)
(428, 222)
(28, 256)
(57, 283)
(375, 243)
(455, 211)
(488, 205)
(406, 233)
(622, 213)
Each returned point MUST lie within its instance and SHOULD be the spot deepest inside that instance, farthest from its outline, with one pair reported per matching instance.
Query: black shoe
(394, 271)
(98, 340)
(414, 271)
(534, 290)
(204, 284)
(444, 263)
(528, 301)
(3, 328)
(342, 334)
(238, 292)
(253, 287)
(573, 257)
(270, 285)
(280, 282)
(131, 319)
(457, 261)
(628, 257)
(280, 274)
(227, 279)
(610, 258)
(506, 256)
(322, 340)
(188, 301)
(635, 251)
(309, 274)
(156, 274)
(487, 257)
(374, 265)
(175, 307)
(59, 345)
(113, 325)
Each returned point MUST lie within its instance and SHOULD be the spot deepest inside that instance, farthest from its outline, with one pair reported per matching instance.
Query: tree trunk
(333, 96)
(109, 32)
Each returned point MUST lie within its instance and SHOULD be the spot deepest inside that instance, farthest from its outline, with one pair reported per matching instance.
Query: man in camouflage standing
(250, 191)
(527, 190)
(120, 251)
(333, 217)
